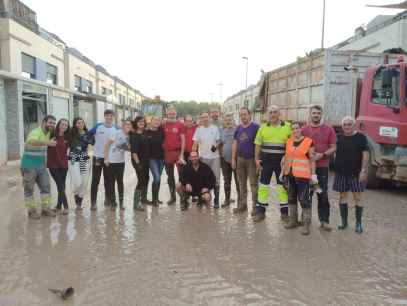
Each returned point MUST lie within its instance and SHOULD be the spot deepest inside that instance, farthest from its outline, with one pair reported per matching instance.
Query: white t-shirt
(206, 137)
(102, 135)
(118, 148)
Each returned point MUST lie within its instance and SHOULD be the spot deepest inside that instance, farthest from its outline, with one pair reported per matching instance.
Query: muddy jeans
(246, 169)
(298, 191)
(39, 177)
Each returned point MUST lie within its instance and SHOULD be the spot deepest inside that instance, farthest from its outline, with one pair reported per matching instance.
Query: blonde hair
(348, 119)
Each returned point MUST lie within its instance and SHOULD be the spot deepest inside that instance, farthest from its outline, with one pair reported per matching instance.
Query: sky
(182, 49)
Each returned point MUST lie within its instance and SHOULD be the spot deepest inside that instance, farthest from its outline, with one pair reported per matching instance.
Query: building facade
(40, 75)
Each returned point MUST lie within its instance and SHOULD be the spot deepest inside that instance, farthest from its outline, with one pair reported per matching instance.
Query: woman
(57, 162)
(139, 148)
(114, 159)
(79, 162)
(299, 172)
(155, 137)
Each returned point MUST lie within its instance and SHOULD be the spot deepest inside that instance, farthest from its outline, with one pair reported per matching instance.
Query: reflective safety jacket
(272, 139)
(296, 160)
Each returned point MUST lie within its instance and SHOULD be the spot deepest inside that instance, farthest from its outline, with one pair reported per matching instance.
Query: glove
(314, 179)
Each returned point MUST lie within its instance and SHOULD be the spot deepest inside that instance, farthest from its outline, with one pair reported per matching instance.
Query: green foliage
(193, 108)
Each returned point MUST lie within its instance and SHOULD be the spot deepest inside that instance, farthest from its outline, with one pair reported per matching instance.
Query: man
(270, 149)
(243, 159)
(197, 180)
(351, 162)
(206, 141)
(227, 135)
(174, 146)
(102, 132)
(324, 139)
(33, 168)
(215, 117)
(190, 129)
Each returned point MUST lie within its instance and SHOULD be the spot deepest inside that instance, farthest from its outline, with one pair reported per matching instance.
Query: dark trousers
(298, 191)
(115, 173)
(59, 176)
(323, 201)
(227, 173)
(98, 166)
(170, 170)
(143, 175)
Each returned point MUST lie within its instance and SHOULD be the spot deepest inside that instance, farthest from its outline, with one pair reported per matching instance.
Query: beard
(316, 120)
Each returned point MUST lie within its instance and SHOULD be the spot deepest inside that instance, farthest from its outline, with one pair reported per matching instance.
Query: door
(33, 113)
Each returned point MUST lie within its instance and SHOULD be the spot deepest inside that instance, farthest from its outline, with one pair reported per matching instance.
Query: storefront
(59, 105)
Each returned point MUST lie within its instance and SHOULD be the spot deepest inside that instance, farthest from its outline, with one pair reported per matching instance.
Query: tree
(193, 108)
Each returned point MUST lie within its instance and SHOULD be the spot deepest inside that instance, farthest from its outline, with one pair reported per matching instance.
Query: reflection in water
(201, 257)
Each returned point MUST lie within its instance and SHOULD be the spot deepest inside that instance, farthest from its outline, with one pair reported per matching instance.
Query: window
(379, 94)
(78, 81)
(52, 72)
(28, 66)
(106, 91)
(122, 99)
(89, 87)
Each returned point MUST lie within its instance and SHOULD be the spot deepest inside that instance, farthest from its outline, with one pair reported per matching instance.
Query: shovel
(64, 293)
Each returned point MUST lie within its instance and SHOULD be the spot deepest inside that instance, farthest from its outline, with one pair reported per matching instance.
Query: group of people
(298, 157)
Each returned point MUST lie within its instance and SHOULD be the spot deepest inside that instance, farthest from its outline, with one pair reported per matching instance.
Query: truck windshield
(379, 94)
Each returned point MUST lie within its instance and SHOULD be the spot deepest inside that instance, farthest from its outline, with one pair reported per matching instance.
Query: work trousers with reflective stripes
(246, 169)
(39, 177)
(269, 168)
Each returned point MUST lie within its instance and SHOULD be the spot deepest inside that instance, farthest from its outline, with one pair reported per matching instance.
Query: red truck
(371, 87)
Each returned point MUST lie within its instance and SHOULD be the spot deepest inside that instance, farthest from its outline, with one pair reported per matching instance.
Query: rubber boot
(216, 200)
(155, 189)
(292, 217)
(307, 221)
(227, 199)
(184, 201)
(121, 204)
(136, 201)
(173, 199)
(158, 193)
(343, 209)
(284, 213)
(358, 215)
(260, 214)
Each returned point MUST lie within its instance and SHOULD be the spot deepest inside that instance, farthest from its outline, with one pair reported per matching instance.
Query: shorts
(345, 183)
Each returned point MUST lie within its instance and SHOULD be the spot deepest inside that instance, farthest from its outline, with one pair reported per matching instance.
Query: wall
(3, 124)
(104, 80)
(17, 39)
(392, 36)
(75, 66)
(121, 89)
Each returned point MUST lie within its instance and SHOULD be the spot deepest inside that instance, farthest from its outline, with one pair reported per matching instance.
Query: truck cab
(382, 117)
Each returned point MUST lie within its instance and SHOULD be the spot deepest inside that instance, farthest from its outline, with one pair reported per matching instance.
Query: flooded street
(200, 257)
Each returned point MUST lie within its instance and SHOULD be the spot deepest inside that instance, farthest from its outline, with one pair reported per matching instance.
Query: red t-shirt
(173, 132)
(57, 156)
(323, 136)
(189, 133)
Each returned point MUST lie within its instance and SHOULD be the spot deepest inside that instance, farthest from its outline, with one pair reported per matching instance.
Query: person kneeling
(196, 180)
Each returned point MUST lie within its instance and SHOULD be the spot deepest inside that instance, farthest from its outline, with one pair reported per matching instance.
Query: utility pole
(323, 23)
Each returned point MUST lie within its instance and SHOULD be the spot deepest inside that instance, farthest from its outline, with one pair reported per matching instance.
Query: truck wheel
(373, 182)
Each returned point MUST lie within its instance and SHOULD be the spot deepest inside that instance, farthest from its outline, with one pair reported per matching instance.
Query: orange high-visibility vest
(296, 158)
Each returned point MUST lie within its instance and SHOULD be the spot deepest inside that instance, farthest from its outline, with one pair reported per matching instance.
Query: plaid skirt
(345, 183)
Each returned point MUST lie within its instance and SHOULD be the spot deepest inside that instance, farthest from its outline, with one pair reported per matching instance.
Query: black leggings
(115, 174)
(143, 174)
(59, 176)
(98, 166)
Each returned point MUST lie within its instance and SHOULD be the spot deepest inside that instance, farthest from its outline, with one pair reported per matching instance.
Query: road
(200, 257)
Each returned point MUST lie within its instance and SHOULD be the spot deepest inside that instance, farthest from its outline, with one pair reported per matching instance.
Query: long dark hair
(55, 132)
(135, 123)
(74, 133)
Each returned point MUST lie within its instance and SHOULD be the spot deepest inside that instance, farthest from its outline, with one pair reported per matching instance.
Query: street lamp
(247, 67)
(220, 91)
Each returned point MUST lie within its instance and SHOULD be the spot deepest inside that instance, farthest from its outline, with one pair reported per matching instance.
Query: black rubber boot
(155, 189)
(343, 209)
(227, 199)
(158, 193)
(136, 201)
(121, 204)
(144, 199)
(173, 199)
(216, 200)
(184, 201)
(358, 215)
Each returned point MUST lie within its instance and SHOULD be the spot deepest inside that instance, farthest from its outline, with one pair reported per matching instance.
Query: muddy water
(201, 257)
